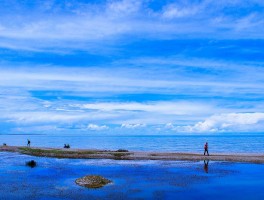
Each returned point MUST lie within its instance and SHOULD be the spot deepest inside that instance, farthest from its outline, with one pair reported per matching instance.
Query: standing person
(28, 143)
(206, 148)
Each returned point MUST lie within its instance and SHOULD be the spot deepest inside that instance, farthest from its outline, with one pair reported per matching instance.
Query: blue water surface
(55, 179)
(165, 143)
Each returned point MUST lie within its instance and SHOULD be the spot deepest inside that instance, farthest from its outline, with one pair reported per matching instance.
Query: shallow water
(54, 179)
(228, 143)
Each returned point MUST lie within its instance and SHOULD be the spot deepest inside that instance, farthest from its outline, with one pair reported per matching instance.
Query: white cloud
(225, 123)
(133, 126)
(124, 7)
(169, 126)
(84, 27)
(169, 80)
(95, 127)
(174, 11)
(175, 108)
(95, 83)
(40, 128)
(43, 117)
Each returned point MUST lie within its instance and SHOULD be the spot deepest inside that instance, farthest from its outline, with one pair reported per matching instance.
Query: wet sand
(131, 155)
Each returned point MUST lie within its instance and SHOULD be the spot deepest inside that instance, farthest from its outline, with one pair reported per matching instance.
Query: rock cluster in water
(92, 181)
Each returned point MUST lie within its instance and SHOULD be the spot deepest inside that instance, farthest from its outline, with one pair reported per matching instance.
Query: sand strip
(131, 155)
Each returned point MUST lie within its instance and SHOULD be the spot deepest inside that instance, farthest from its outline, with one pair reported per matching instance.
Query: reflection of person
(206, 165)
(28, 143)
(206, 149)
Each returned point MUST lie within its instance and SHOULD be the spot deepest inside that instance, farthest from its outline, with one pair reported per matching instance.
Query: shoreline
(131, 155)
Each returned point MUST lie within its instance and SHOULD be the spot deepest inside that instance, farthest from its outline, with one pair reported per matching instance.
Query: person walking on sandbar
(28, 143)
(206, 149)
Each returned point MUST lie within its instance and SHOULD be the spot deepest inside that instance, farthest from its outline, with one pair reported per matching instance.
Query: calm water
(253, 144)
(54, 179)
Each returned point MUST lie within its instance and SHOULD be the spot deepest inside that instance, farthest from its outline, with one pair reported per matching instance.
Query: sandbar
(132, 155)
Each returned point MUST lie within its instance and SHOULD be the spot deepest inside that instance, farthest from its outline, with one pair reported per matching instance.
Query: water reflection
(132, 179)
(206, 166)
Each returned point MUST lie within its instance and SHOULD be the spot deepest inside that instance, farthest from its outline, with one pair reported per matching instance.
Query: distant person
(206, 166)
(206, 149)
(28, 143)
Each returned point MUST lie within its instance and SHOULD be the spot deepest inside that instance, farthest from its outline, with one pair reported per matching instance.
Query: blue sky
(132, 67)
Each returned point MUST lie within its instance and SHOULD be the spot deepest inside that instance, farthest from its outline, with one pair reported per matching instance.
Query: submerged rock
(92, 181)
(31, 163)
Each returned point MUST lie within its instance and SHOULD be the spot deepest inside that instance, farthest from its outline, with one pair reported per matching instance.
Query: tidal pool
(55, 179)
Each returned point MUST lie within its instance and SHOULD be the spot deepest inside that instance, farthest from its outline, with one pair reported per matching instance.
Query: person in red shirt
(206, 149)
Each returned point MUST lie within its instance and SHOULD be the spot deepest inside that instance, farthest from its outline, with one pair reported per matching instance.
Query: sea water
(164, 143)
(55, 179)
